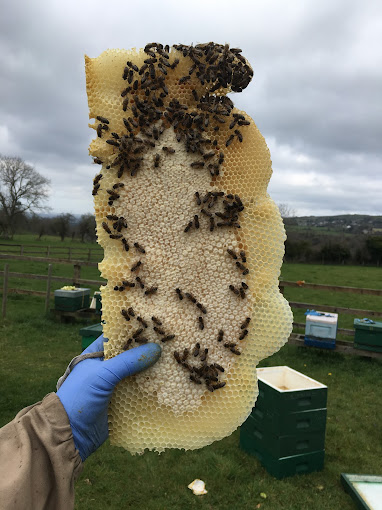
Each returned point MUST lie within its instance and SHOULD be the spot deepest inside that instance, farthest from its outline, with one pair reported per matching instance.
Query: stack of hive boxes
(286, 428)
(321, 329)
(368, 335)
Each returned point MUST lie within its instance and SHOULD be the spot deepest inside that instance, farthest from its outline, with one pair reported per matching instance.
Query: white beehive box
(321, 326)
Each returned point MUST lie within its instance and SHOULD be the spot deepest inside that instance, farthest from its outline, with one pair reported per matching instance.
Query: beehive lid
(284, 379)
(327, 318)
(91, 330)
(71, 293)
(366, 490)
(370, 326)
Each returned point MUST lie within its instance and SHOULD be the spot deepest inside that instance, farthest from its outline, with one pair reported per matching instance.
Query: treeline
(63, 225)
(333, 249)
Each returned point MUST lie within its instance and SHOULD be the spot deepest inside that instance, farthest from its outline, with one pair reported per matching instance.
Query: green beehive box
(368, 335)
(284, 466)
(90, 334)
(71, 300)
(282, 446)
(284, 390)
(98, 300)
(281, 424)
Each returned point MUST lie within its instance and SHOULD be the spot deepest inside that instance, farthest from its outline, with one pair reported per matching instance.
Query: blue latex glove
(86, 392)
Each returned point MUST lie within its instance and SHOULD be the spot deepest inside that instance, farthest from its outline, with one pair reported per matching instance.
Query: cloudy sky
(316, 94)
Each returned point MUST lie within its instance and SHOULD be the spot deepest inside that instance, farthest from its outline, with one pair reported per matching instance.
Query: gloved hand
(86, 392)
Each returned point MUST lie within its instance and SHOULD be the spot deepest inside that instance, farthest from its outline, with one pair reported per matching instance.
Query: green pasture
(36, 350)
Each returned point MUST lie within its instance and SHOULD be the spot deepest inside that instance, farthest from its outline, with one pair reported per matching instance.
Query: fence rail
(23, 249)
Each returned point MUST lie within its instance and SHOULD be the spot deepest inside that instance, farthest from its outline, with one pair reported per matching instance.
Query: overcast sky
(316, 94)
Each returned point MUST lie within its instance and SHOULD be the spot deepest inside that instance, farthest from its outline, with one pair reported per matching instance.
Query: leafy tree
(61, 225)
(22, 190)
(374, 247)
(86, 227)
(334, 252)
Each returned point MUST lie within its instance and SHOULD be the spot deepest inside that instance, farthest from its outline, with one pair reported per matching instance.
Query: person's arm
(42, 449)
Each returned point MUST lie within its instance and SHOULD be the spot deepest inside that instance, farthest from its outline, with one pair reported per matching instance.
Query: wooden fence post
(76, 274)
(48, 251)
(5, 291)
(48, 283)
(70, 252)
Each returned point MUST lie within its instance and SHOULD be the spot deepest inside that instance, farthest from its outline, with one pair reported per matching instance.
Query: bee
(136, 266)
(203, 357)
(244, 285)
(197, 198)
(218, 367)
(156, 160)
(177, 357)
(210, 388)
(115, 236)
(138, 332)
(142, 321)
(239, 135)
(242, 293)
(198, 164)
(97, 161)
(127, 344)
(189, 225)
(160, 331)
(230, 345)
(195, 94)
(141, 340)
(139, 281)
(112, 217)
(166, 338)
(245, 323)
(106, 227)
(240, 265)
(195, 379)
(186, 352)
(221, 158)
(207, 213)
(139, 248)
(244, 334)
(125, 314)
(196, 221)
(125, 244)
(201, 323)
(243, 122)
(179, 294)
(190, 297)
(150, 291)
(128, 284)
(243, 257)
(99, 130)
(125, 104)
(125, 91)
(116, 287)
(235, 351)
(121, 288)
(233, 124)
(201, 307)
(184, 79)
(246, 271)
(218, 385)
(196, 350)
(156, 321)
(220, 335)
(212, 224)
(118, 185)
(102, 119)
(234, 290)
(229, 141)
(169, 150)
(112, 142)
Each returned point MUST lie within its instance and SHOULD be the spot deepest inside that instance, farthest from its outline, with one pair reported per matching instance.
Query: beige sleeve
(39, 462)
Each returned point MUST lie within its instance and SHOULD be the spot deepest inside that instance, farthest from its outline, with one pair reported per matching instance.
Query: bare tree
(61, 224)
(22, 190)
(86, 227)
(286, 211)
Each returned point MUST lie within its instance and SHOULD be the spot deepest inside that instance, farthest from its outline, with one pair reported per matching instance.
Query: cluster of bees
(148, 112)
(136, 336)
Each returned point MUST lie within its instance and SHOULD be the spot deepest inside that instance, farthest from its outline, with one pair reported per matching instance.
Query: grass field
(36, 350)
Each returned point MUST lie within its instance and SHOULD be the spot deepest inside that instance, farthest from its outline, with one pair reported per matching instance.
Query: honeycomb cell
(193, 244)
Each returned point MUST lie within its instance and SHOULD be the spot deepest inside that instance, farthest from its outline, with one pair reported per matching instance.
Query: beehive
(175, 153)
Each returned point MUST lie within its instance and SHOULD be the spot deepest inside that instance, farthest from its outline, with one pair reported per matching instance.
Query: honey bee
(244, 285)
(243, 257)
(190, 297)
(235, 351)
(179, 293)
(234, 290)
(127, 344)
(184, 79)
(196, 350)
(142, 321)
(229, 141)
(160, 331)
(242, 293)
(218, 385)
(239, 135)
(97, 161)
(203, 357)
(198, 164)
(232, 254)
(188, 226)
(244, 334)
(125, 244)
(136, 266)
(201, 307)
(115, 236)
(212, 224)
(156, 160)
(245, 323)
(106, 227)
(196, 221)
(138, 332)
(130, 311)
(177, 357)
(197, 198)
(150, 291)
(125, 314)
(139, 281)
(229, 345)
(128, 284)
(207, 213)
(220, 335)
(112, 217)
(141, 340)
(201, 323)
(102, 119)
(240, 266)
(186, 352)
(169, 150)
(166, 338)
(219, 367)
(139, 248)
(195, 379)
(156, 321)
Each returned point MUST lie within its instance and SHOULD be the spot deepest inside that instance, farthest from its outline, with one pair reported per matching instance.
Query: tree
(286, 211)
(61, 224)
(374, 247)
(22, 190)
(86, 227)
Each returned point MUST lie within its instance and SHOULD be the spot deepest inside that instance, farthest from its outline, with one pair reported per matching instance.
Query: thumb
(131, 362)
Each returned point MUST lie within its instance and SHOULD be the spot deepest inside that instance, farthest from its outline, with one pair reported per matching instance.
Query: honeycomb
(192, 242)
